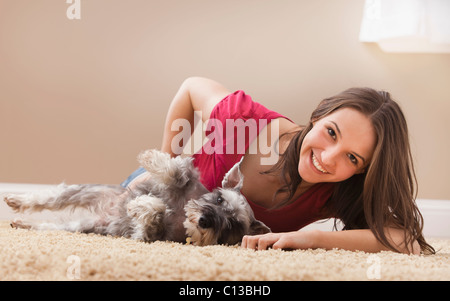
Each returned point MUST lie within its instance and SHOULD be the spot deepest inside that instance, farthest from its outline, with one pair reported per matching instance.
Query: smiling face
(338, 146)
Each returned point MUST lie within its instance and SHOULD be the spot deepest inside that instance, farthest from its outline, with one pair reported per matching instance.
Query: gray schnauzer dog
(169, 204)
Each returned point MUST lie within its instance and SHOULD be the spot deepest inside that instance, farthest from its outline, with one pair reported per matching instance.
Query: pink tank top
(223, 151)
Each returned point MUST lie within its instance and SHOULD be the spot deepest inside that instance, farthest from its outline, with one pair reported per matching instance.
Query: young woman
(351, 162)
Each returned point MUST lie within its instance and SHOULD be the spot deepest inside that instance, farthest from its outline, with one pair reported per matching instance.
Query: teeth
(317, 164)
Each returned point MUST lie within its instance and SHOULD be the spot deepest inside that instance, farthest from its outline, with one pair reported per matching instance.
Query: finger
(250, 242)
(287, 241)
(244, 241)
(280, 244)
(265, 242)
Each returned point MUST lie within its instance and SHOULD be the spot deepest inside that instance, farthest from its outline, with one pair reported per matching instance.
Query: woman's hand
(286, 240)
(351, 240)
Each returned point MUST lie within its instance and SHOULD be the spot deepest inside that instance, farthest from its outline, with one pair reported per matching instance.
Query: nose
(329, 157)
(204, 222)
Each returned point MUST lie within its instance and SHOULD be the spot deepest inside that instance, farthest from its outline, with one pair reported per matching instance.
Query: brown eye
(353, 159)
(332, 133)
(219, 200)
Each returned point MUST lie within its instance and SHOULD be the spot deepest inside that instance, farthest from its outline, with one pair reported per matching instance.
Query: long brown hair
(384, 195)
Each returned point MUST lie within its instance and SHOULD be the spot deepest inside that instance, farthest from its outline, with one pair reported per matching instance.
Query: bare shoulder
(205, 93)
(287, 131)
(263, 153)
(287, 126)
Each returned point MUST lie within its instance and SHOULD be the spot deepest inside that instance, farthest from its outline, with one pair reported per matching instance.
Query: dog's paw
(18, 223)
(164, 170)
(133, 209)
(146, 209)
(14, 202)
(154, 160)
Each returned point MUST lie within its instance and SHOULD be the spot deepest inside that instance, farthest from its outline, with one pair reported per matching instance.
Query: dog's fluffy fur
(170, 203)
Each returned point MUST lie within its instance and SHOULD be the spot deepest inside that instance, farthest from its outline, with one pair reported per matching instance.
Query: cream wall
(80, 98)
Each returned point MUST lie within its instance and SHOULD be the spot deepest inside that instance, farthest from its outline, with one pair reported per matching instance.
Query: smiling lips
(317, 164)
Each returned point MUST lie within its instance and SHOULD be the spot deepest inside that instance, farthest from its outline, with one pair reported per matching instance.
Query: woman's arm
(352, 240)
(195, 94)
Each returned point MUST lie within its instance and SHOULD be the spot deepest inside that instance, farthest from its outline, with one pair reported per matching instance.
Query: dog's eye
(219, 200)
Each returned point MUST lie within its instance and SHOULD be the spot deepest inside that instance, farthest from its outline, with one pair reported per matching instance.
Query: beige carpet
(58, 255)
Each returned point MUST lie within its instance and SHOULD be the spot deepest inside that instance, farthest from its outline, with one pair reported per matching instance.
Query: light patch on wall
(414, 26)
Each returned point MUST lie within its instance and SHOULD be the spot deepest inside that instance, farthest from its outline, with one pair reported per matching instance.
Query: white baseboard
(436, 213)
(436, 216)
(20, 188)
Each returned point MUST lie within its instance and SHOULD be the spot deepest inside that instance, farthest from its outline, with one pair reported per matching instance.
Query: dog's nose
(204, 222)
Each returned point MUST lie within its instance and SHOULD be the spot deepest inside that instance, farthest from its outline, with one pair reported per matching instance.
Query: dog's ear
(233, 178)
(257, 227)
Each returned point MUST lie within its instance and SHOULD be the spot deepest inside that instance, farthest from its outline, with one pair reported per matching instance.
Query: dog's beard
(199, 236)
